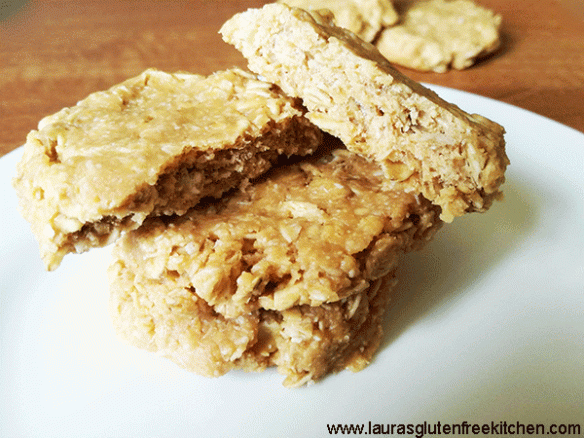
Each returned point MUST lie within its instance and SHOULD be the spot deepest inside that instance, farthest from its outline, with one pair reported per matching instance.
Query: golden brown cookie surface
(154, 144)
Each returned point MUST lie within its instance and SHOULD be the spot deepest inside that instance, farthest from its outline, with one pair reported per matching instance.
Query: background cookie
(436, 35)
(365, 18)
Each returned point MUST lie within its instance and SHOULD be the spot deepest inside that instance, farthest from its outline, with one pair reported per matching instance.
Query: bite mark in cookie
(153, 145)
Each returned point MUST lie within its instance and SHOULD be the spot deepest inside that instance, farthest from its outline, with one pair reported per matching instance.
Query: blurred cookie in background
(365, 18)
(439, 35)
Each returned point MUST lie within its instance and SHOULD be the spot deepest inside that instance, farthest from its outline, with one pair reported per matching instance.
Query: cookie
(309, 233)
(436, 35)
(426, 145)
(286, 272)
(305, 343)
(365, 18)
(153, 145)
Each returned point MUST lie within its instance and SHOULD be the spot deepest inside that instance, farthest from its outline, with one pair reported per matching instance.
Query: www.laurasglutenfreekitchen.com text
(464, 428)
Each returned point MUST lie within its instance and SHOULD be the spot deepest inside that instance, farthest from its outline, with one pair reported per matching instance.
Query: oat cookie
(152, 145)
(365, 18)
(286, 272)
(455, 159)
(436, 35)
(309, 233)
(304, 343)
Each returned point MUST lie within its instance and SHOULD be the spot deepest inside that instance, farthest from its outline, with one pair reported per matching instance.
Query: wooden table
(55, 52)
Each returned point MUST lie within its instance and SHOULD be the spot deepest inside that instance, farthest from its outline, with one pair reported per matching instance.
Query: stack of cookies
(258, 219)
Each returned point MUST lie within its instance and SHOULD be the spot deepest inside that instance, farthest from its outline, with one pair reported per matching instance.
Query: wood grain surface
(55, 52)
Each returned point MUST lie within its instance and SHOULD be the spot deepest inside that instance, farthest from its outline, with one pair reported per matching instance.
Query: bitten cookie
(155, 144)
(309, 233)
(455, 159)
(286, 272)
(365, 18)
(437, 35)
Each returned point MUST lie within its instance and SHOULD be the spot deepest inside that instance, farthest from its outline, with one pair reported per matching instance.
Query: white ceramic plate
(488, 326)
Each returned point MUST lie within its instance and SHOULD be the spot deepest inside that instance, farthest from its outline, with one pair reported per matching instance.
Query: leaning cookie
(365, 18)
(455, 159)
(436, 35)
(309, 233)
(155, 144)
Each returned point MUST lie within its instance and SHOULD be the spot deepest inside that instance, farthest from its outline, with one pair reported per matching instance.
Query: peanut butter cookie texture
(154, 145)
(285, 272)
(455, 159)
(230, 255)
